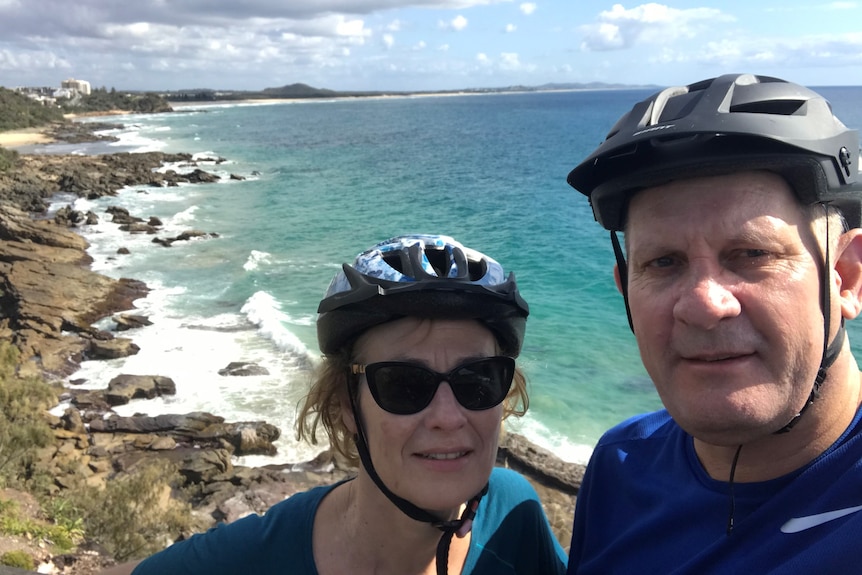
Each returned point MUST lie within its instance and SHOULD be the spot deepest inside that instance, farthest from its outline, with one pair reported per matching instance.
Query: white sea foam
(264, 311)
(559, 445)
(132, 138)
(184, 217)
(191, 351)
(255, 259)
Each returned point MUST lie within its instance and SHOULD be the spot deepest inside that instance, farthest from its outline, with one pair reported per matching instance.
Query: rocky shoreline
(49, 301)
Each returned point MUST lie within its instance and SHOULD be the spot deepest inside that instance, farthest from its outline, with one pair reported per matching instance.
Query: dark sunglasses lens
(401, 389)
(483, 384)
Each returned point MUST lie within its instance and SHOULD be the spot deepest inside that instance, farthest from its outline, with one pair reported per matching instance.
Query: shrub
(8, 159)
(12, 523)
(23, 425)
(18, 559)
(134, 516)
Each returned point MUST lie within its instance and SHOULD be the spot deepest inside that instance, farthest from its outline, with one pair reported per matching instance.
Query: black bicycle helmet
(427, 276)
(730, 123)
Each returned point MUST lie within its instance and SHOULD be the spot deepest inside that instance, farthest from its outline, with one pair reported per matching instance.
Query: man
(739, 200)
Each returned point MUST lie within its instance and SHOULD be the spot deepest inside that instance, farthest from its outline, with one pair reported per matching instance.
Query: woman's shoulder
(508, 477)
(510, 486)
(303, 500)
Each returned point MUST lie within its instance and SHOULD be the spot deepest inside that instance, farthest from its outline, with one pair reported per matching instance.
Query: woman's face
(442, 456)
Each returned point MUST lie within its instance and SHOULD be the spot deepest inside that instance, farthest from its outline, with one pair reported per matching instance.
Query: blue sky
(410, 45)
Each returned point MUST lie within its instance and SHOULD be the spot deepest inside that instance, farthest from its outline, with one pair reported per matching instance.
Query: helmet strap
(461, 526)
(623, 271)
(830, 350)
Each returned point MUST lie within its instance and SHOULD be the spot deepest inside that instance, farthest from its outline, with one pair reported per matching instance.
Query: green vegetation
(8, 159)
(103, 100)
(63, 537)
(18, 111)
(133, 515)
(23, 426)
(18, 559)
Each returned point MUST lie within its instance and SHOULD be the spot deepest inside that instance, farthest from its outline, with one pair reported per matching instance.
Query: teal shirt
(510, 535)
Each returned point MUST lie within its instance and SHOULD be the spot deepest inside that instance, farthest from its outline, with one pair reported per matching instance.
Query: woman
(419, 336)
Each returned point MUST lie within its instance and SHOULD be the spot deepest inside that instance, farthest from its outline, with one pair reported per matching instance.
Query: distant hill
(303, 91)
(299, 91)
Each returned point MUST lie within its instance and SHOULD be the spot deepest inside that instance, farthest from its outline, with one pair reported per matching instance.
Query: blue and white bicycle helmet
(430, 276)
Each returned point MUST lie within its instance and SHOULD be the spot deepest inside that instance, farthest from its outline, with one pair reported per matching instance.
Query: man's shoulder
(656, 425)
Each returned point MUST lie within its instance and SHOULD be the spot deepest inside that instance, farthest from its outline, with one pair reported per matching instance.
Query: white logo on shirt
(798, 524)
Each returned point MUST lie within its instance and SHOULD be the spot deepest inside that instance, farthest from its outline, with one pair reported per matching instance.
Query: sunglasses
(405, 388)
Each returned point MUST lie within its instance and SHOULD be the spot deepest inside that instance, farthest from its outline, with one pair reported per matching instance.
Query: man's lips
(713, 357)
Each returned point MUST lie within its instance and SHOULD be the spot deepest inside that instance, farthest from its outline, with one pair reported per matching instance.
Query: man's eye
(756, 253)
(663, 262)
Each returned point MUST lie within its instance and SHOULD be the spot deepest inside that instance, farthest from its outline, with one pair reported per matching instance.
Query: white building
(80, 86)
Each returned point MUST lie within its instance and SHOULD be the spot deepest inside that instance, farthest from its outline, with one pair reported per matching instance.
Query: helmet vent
(439, 260)
(777, 107)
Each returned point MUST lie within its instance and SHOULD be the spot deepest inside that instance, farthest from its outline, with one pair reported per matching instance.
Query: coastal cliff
(49, 301)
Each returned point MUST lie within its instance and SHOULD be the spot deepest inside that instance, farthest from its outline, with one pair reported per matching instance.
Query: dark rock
(243, 368)
(124, 388)
(112, 348)
(126, 321)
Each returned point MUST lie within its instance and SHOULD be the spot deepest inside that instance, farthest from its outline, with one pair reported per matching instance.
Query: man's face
(724, 294)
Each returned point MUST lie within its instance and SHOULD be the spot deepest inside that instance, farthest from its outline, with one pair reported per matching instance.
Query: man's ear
(848, 268)
(617, 279)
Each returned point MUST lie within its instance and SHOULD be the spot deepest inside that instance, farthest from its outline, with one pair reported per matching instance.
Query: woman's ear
(347, 414)
(617, 279)
(848, 268)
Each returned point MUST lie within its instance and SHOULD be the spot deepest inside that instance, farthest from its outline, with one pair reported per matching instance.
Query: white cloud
(510, 28)
(527, 8)
(509, 61)
(651, 23)
(457, 23)
(388, 40)
(419, 46)
(355, 28)
(394, 26)
(805, 51)
(27, 60)
(482, 58)
(842, 5)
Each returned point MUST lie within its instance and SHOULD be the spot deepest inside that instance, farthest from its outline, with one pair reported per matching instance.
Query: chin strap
(460, 526)
(623, 271)
(830, 350)
(829, 356)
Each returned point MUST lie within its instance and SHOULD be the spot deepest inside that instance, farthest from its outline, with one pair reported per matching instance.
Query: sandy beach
(25, 137)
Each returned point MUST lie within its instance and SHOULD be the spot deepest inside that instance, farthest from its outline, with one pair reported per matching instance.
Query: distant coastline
(299, 91)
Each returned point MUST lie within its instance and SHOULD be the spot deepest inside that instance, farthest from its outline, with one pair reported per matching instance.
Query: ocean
(325, 179)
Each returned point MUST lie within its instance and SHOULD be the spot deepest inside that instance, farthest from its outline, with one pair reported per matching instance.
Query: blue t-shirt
(646, 506)
(510, 535)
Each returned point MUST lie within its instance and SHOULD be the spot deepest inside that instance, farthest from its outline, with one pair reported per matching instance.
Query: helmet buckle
(844, 158)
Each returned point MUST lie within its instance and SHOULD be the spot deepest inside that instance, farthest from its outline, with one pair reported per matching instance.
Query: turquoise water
(326, 179)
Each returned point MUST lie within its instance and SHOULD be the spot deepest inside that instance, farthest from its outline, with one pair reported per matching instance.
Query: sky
(416, 45)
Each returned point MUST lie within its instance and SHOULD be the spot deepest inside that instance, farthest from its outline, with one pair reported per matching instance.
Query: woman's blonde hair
(327, 399)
